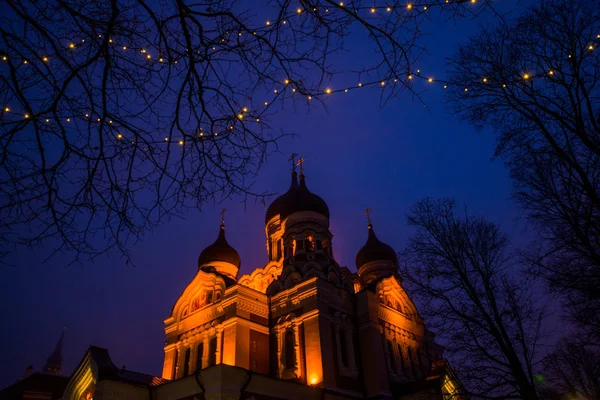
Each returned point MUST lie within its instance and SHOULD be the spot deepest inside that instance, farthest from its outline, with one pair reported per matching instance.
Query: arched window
(278, 254)
(175, 360)
(391, 354)
(343, 348)
(299, 245)
(402, 362)
(209, 297)
(199, 354)
(290, 352)
(309, 243)
(318, 245)
(212, 352)
(186, 362)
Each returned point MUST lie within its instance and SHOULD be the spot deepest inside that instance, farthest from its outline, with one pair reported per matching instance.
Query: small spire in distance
(223, 211)
(54, 361)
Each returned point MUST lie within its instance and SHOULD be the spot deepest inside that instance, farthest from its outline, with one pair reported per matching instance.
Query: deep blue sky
(358, 155)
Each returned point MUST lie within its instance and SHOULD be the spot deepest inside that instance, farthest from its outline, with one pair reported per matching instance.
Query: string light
(526, 76)
(388, 9)
(328, 91)
(240, 116)
(119, 136)
(71, 45)
(26, 115)
(591, 47)
(484, 80)
(382, 83)
(409, 6)
(373, 10)
(299, 11)
(430, 80)
(550, 72)
(45, 59)
(245, 109)
(181, 142)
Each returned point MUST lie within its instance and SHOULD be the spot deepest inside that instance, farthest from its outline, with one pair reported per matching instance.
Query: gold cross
(293, 160)
(301, 164)
(223, 216)
(368, 214)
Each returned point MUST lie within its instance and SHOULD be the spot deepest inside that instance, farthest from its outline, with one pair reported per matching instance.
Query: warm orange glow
(526, 76)
(314, 380)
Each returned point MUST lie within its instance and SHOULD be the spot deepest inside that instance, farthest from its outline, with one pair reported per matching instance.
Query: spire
(54, 361)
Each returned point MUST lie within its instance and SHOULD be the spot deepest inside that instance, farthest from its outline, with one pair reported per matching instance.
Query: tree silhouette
(535, 81)
(459, 271)
(118, 114)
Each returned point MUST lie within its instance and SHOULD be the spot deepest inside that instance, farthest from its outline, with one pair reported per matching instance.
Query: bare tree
(574, 368)
(117, 114)
(535, 81)
(459, 271)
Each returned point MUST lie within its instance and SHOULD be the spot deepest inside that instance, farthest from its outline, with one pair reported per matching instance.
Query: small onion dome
(297, 198)
(375, 250)
(220, 257)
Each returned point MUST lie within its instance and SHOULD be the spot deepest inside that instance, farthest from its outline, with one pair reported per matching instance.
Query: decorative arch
(197, 294)
(392, 295)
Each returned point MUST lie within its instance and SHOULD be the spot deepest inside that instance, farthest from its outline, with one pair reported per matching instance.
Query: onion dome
(220, 257)
(375, 250)
(297, 198)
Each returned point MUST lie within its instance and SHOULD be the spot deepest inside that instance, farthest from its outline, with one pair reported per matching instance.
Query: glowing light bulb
(160, 60)
(181, 142)
(240, 116)
(142, 50)
(268, 23)
(284, 21)
(373, 10)
(287, 81)
(313, 380)
(148, 56)
(424, 8)
(266, 103)
(245, 109)
(71, 45)
(466, 90)
(6, 109)
(68, 119)
(525, 76)
(550, 72)
(430, 80)
(388, 9)
(275, 91)
(166, 139)
(124, 47)
(445, 86)
(345, 90)
(26, 115)
(504, 85)
(382, 83)
(299, 11)
(98, 120)
(294, 90)
(119, 136)
(257, 119)
(359, 84)
(310, 97)
(328, 91)
(25, 62)
(342, 5)
(3, 58)
(591, 47)
(484, 80)
(473, 1)
(109, 40)
(410, 77)
(47, 120)
(409, 6)
(87, 115)
(45, 59)
(110, 121)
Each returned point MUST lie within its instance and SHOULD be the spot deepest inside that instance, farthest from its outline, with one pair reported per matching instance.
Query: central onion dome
(220, 257)
(375, 250)
(297, 198)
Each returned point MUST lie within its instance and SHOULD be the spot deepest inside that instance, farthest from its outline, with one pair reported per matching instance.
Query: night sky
(358, 155)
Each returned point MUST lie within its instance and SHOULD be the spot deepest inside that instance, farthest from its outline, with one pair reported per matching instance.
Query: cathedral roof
(375, 250)
(220, 250)
(297, 198)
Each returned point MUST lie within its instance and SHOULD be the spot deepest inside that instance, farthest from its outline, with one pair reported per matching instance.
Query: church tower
(302, 317)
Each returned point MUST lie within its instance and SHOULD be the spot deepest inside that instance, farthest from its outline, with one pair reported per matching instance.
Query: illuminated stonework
(301, 327)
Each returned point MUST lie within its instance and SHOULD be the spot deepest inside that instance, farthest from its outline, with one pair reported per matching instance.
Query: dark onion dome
(375, 250)
(220, 250)
(297, 198)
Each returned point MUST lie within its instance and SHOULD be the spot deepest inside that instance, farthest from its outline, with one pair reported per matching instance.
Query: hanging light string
(246, 116)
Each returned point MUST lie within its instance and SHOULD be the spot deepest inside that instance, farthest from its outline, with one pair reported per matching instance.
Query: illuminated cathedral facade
(300, 327)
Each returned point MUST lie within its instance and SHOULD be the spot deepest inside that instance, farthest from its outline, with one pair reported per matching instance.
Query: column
(298, 363)
(205, 351)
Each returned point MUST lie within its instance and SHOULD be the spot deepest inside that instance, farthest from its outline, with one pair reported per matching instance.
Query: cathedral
(300, 327)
